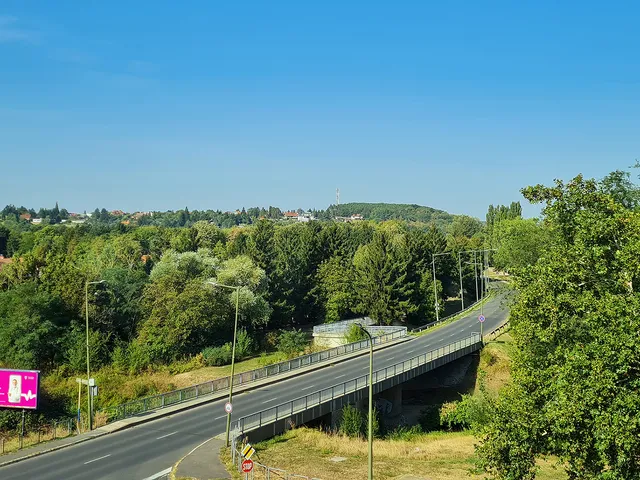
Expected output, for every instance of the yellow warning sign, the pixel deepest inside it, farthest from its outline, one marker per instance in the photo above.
(248, 451)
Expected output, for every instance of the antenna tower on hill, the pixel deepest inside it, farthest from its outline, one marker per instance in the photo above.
(337, 196)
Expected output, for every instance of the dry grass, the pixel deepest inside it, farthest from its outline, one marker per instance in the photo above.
(434, 456)
(495, 360)
(12, 443)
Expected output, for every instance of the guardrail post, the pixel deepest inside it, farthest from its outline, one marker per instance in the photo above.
(144, 405)
(196, 391)
(180, 394)
(54, 430)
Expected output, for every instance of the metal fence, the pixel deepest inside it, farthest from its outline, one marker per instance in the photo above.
(300, 404)
(498, 330)
(264, 472)
(38, 434)
(448, 317)
(163, 400)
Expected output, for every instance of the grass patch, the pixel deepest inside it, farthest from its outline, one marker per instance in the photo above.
(436, 456)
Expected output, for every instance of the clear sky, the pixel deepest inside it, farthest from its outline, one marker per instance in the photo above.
(155, 105)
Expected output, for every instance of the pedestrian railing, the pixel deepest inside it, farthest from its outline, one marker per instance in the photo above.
(498, 330)
(34, 435)
(155, 402)
(264, 472)
(448, 317)
(300, 404)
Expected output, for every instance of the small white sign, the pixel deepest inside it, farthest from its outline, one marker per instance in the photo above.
(228, 407)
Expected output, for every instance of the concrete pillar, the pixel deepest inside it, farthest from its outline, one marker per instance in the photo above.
(392, 396)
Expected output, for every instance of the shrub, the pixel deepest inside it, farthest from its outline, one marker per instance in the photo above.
(351, 422)
(217, 356)
(292, 342)
(430, 418)
(376, 427)
(244, 345)
(408, 434)
(354, 334)
(472, 411)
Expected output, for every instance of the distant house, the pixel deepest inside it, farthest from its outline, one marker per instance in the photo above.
(36, 220)
(306, 217)
(353, 218)
(117, 212)
(290, 214)
(356, 216)
(25, 216)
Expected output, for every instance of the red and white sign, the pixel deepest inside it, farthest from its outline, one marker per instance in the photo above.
(247, 466)
(228, 407)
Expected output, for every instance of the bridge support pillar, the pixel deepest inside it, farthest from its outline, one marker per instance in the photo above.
(391, 402)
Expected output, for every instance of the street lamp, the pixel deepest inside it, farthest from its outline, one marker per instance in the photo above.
(370, 399)
(86, 309)
(233, 349)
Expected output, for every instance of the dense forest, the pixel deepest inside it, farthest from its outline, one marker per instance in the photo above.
(153, 304)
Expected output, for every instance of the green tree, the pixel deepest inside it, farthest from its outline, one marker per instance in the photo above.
(575, 324)
(381, 268)
(519, 242)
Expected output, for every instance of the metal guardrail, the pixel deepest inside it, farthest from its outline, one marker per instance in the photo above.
(448, 317)
(498, 330)
(175, 397)
(303, 403)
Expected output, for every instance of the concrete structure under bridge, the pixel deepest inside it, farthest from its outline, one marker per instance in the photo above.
(330, 401)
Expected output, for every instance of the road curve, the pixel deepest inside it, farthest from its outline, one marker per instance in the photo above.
(142, 451)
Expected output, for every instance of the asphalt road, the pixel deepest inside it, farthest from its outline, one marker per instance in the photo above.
(142, 451)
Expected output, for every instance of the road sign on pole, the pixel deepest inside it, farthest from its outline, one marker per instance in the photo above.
(228, 407)
(247, 466)
(481, 318)
(248, 451)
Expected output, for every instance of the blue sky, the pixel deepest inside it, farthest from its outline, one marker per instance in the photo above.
(455, 105)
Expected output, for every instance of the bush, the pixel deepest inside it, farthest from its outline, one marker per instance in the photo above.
(292, 342)
(217, 356)
(354, 334)
(405, 433)
(351, 422)
(473, 411)
(430, 418)
(244, 345)
(376, 427)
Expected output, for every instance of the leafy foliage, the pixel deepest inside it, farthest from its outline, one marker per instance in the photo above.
(292, 342)
(575, 324)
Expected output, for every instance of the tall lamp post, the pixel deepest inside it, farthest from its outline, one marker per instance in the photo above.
(86, 310)
(370, 399)
(233, 350)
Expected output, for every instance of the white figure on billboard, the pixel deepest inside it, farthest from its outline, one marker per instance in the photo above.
(14, 388)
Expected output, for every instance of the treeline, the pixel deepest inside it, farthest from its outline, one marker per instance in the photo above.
(155, 305)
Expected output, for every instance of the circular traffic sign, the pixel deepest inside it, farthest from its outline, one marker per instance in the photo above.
(228, 407)
(481, 318)
(247, 466)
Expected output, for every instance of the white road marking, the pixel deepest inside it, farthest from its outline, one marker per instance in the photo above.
(340, 376)
(159, 474)
(307, 388)
(96, 459)
(392, 358)
(221, 416)
(271, 400)
(167, 435)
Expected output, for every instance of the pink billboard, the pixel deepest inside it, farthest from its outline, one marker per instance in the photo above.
(19, 388)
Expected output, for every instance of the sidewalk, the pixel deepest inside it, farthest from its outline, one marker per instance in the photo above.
(54, 445)
(202, 463)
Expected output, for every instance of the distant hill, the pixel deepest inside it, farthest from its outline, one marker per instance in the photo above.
(393, 211)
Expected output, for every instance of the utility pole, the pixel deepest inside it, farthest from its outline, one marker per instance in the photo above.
(461, 287)
(435, 290)
(475, 271)
(370, 399)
